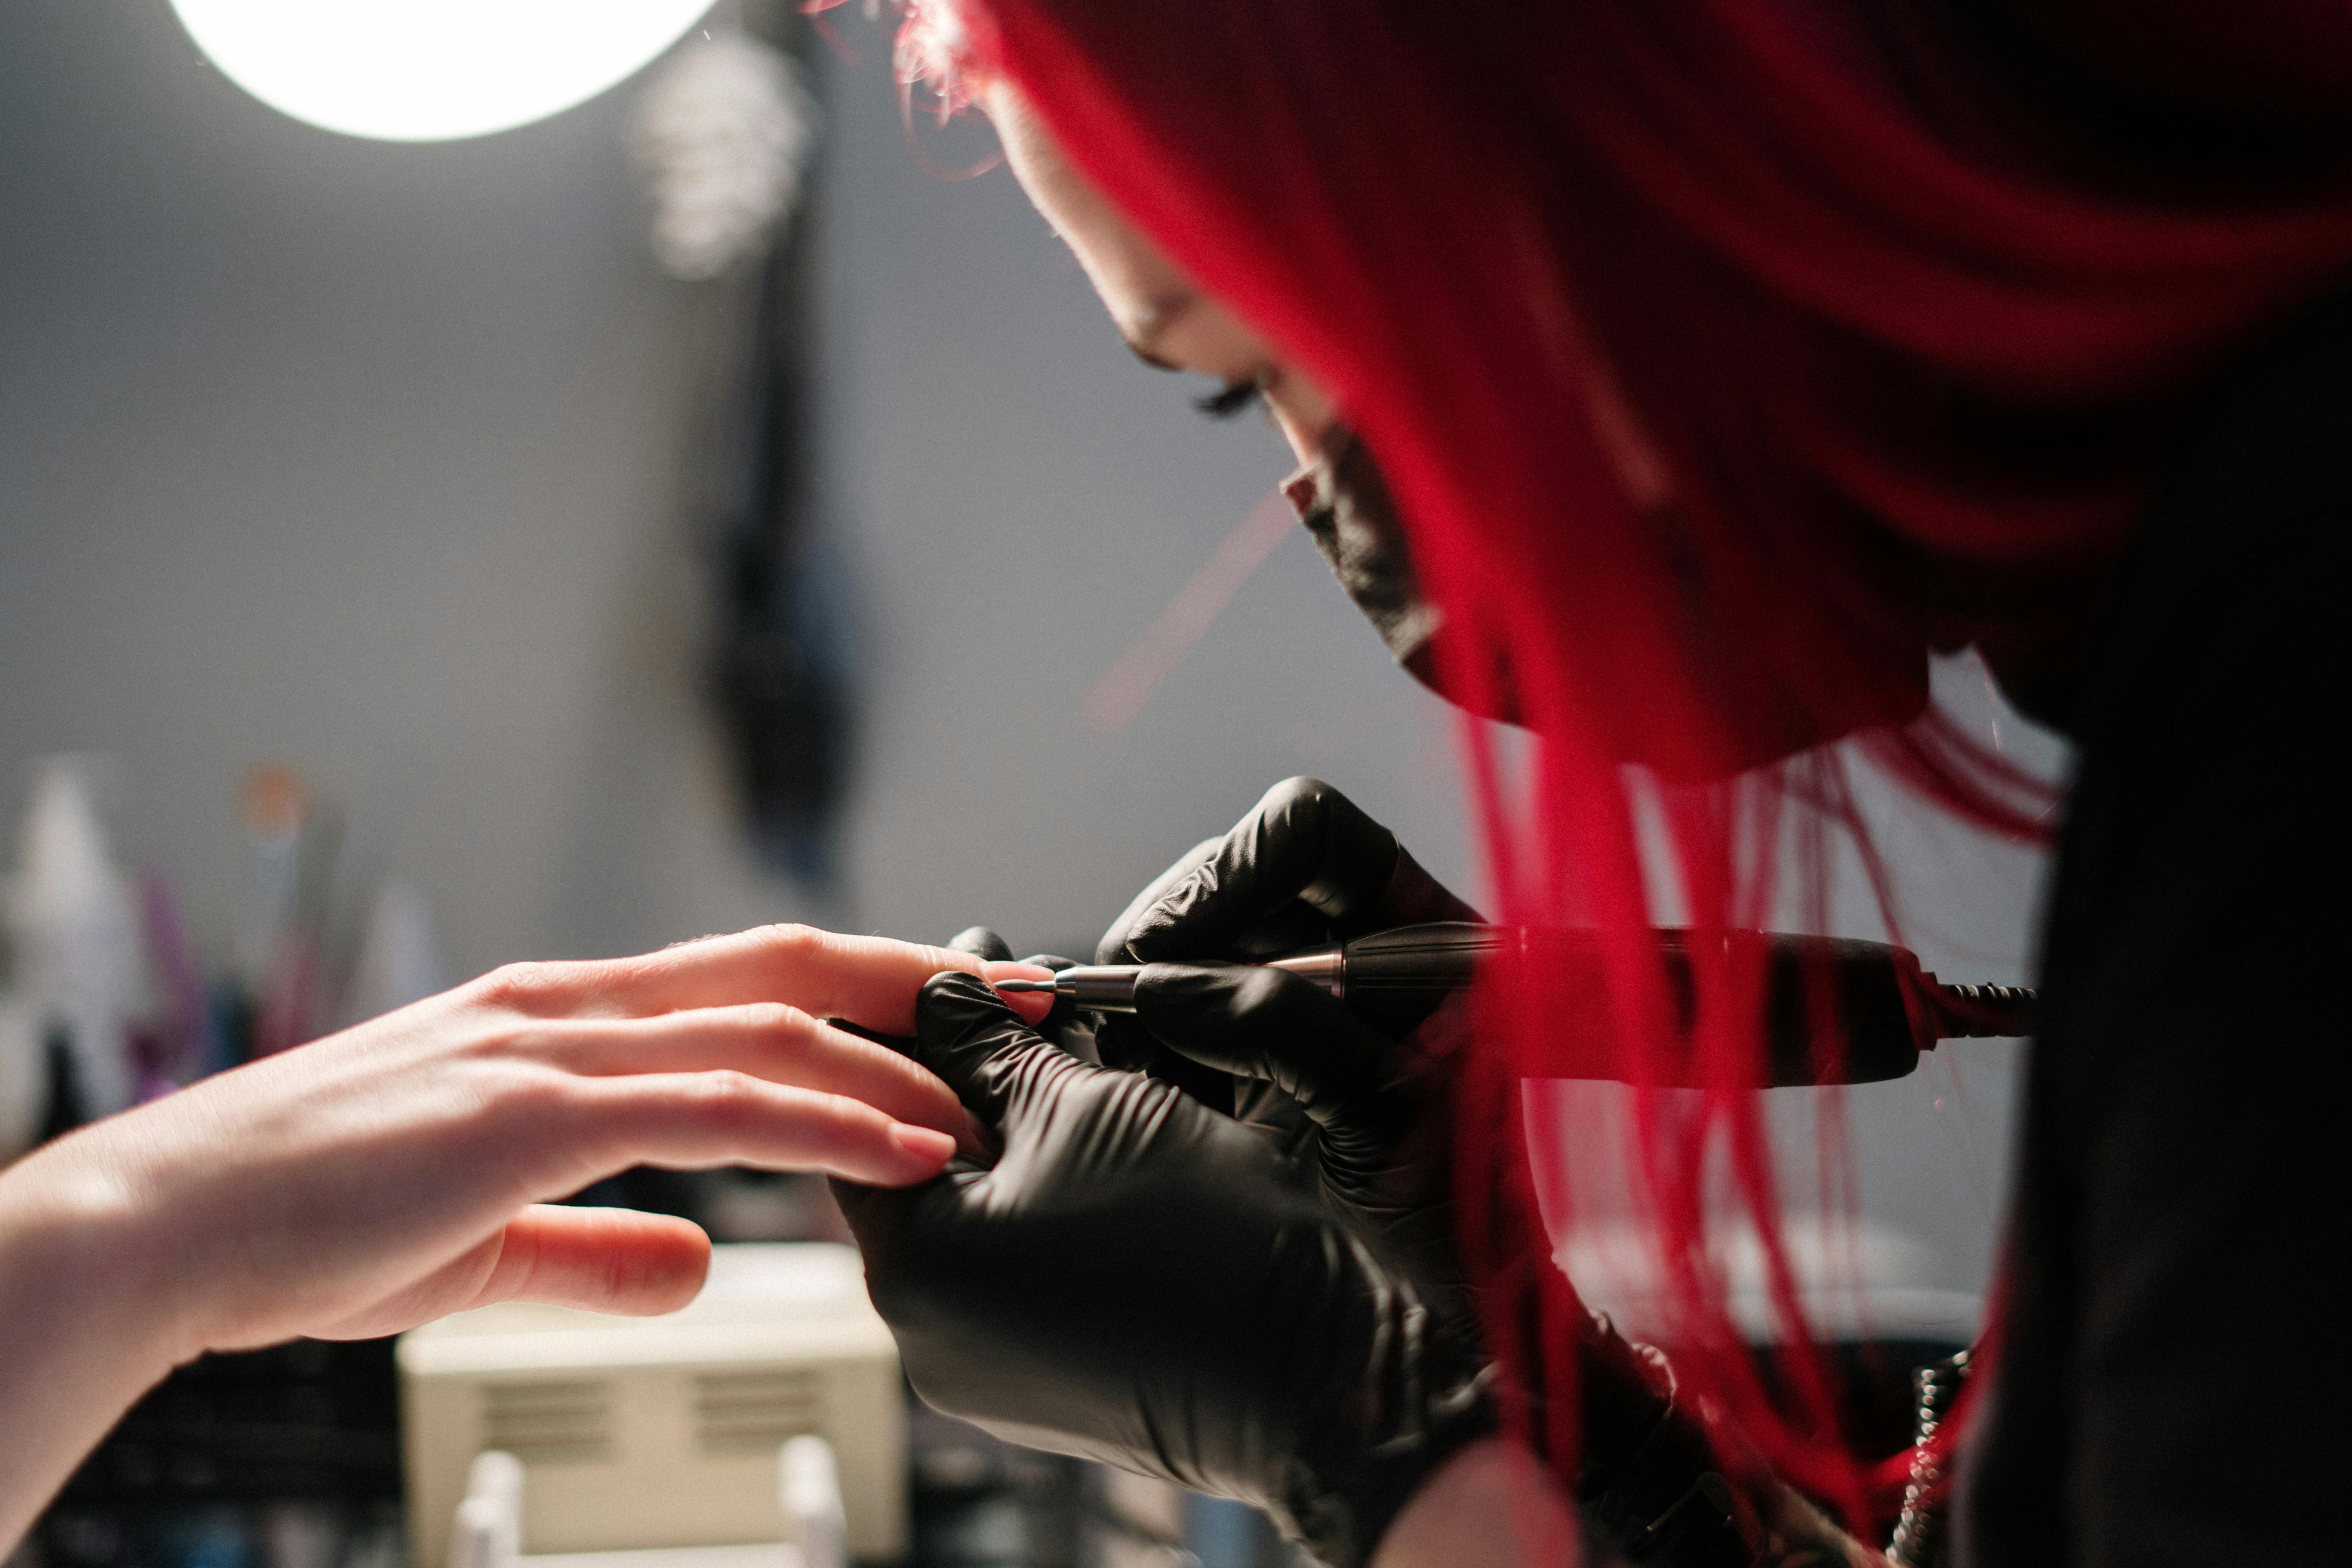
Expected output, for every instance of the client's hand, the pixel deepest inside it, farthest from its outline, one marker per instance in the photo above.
(396, 1171)
(1141, 1280)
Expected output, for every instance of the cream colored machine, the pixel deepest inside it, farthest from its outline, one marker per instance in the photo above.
(664, 1432)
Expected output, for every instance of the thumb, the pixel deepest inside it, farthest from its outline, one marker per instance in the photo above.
(979, 1047)
(600, 1260)
(1265, 1024)
(603, 1261)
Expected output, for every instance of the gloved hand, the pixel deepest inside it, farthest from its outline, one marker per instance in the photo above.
(1142, 1281)
(1362, 1106)
(1305, 867)
(1064, 1024)
(1360, 1101)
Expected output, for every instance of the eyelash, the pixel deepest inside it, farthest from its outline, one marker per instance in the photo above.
(1231, 400)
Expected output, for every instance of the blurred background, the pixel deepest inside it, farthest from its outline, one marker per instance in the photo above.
(415, 556)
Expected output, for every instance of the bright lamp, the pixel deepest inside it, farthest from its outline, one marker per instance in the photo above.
(431, 70)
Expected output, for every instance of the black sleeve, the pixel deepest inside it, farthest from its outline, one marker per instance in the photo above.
(2175, 1380)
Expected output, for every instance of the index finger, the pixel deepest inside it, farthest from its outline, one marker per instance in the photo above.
(870, 981)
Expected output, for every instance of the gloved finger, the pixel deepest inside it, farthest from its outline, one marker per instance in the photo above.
(1414, 897)
(1112, 948)
(1286, 927)
(1306, 844)
(1122, 1042)
(981, 943)
(1270, 1026)
(1055, 1018)
(973, 1041)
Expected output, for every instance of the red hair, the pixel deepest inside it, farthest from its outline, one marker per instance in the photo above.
(1724, 358)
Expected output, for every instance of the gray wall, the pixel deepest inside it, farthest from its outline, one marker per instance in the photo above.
(367, 458)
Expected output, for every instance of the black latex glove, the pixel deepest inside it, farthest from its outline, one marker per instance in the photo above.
(1064, 1024)
(1365, 1118)
(1359, 1099)
(1142, 1281)
(1305, 868)
(1360, 1104)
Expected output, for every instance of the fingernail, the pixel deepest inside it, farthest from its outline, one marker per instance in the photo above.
(927, 1145)
(1031, 1005)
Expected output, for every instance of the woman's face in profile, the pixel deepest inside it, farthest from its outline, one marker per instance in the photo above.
(1165, 317)
(1170, 323)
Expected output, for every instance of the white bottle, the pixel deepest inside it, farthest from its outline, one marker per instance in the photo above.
(400, 958)
(808, 1491)
(81, 964)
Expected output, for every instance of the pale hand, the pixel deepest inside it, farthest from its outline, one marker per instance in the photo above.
(399, 1170)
